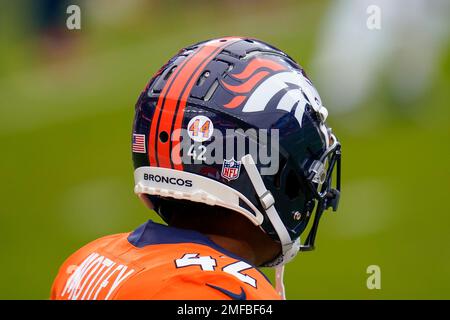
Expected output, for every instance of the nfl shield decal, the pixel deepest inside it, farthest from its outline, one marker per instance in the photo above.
(231, 169)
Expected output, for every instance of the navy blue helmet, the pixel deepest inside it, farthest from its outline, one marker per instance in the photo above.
(235, 122)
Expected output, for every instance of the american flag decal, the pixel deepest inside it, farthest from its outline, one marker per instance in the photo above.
(138, 143)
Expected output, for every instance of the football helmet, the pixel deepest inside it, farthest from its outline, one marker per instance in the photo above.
(238, 93)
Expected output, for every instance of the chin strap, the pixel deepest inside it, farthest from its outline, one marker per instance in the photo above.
(289, 247)
(279, 281)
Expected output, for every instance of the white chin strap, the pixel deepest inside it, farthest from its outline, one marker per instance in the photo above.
(289, 247)
(279, 281)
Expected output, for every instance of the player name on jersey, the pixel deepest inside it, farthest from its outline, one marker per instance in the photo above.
(97, 277)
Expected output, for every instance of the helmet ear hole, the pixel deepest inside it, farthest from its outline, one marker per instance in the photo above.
(277, 176)
(292, 185)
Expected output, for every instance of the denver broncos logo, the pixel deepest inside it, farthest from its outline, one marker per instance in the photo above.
(264, 79)
(257, 70)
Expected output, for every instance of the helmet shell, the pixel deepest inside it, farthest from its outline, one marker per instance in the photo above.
(236, 84)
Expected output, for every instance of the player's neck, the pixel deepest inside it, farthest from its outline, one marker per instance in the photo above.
(238, 247)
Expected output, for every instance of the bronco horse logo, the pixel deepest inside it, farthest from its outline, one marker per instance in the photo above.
(264, 80)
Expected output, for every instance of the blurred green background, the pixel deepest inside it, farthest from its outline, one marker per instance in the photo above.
(67, 102)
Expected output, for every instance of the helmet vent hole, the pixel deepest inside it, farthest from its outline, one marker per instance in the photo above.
(169, 73)
(211, 91)
(163, 136)
(292, 185)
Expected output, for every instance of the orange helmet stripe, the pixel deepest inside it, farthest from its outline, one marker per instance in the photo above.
(172, 103)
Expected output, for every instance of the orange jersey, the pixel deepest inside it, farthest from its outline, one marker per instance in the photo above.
(158, 262)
